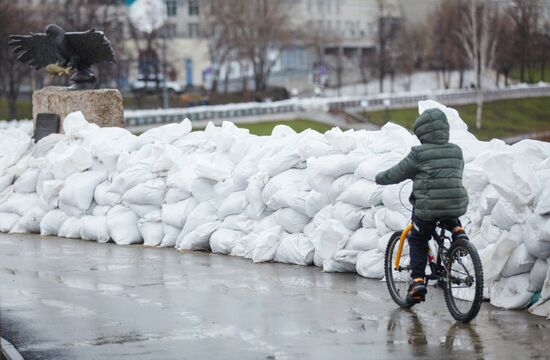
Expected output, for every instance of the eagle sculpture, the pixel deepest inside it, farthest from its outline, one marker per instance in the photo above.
(60, 52)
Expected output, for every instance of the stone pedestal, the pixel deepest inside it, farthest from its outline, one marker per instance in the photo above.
(102, 106)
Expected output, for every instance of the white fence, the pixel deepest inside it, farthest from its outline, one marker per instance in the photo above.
(371, 102)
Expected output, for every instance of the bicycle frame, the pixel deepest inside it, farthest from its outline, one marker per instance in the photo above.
(439, 238)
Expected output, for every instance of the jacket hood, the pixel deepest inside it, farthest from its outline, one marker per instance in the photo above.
(432, 127)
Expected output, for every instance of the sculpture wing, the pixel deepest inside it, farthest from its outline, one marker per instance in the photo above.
(36, 50)
(91, 46)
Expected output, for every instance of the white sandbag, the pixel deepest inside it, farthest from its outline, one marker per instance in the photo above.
(29, 222)
(95, 228)
(327, 239)
(170, 235)
(51, 222)
(281, 161)
(199, 238)
(151, 229)
(6, 180)
(70, 160)
(100, 210)
(489, 231)
(511, 293)
(76, 126)
(291, 220)
(315, 201)
(295, 249)
(341, 261)
(238, 222)
(543, 201)
(335, 165)
(495, 258)
(318, 182)
(256, 185)
(343, 141)
(289, 198)
(141, 210)
(383, 242)
(26, 183)
(487, 200)
(19, 203)
(245, 246)
(537, 236)
(108, 143)
(122, 225)
(267, 243)
(474, 178)
(519, 262)
(396, 197)
(78, 190)
(216, 168)
(177, 213)
(174, 195)
(50, 192)
(371, 167)
(233, 204)
(363, 239)
(147, 193)
(130, 177)
(395, 221)
(223, 240)
(363, 193)
(293, 179)
(103, 196)
(380, 222)
(538, 275)
(205, 212)
(70, 228)
(225, 188)
(349, 215)
(370, 264)
(7, 221)
(505, 215)
(368, 219)
(165, 134)
(512, 178)
(340, 185)
(542, 307)
(14, 144)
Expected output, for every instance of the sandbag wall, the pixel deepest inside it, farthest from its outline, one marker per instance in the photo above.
(306, 198)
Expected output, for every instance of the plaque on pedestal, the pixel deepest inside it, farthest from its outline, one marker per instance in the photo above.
(46, 124)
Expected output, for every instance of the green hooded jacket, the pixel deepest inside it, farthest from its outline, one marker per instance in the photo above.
(436, 169)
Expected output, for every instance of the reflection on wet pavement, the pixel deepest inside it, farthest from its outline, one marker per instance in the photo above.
(68, 299)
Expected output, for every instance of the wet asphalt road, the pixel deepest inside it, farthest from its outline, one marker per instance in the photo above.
(72, 299)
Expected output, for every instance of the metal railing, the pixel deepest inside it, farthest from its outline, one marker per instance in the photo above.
(370, 103)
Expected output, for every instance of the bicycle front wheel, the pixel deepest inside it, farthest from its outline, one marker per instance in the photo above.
(398, 280)
(464, 287)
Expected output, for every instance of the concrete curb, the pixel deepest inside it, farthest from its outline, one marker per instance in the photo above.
(8, 351)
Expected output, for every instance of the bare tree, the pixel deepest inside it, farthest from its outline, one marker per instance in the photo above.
(387, 29)
(479, 43)
(524, 14)
(443, 50)
(505, 57)
(15, 20)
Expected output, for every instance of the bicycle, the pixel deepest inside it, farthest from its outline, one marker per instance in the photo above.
(456, 269)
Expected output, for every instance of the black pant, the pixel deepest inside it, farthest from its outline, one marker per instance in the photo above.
(419, 236)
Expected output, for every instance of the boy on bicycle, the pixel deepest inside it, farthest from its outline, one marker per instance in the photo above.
(436, 168)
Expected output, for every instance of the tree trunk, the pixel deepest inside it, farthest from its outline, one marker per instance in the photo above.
(461, 78)
(479, 110)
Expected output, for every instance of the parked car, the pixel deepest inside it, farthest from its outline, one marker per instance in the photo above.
(155, 85)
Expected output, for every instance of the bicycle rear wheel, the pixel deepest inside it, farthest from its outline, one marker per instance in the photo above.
(398, 281)
(464, 288)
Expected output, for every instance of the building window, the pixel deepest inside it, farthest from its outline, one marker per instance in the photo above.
(193, 30)
(172, 7)
(193, 7)
(338, 6)
(309, 5)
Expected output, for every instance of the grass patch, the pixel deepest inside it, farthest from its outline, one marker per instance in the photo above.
(500, 118)
(299, 125)
(532, 75)
(24, 109)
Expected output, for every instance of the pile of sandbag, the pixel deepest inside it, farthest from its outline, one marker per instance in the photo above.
(300, 198)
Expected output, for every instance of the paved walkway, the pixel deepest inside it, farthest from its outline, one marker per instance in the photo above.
(72, 299)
